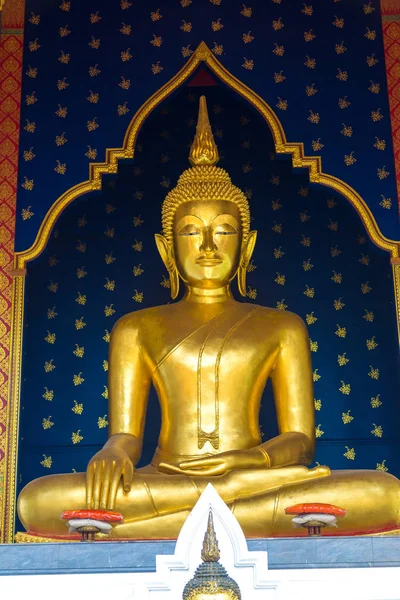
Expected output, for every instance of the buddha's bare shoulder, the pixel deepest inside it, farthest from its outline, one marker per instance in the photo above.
(280, 319)
(138, 319)
(259, 316)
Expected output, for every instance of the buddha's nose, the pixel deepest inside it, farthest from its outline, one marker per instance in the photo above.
(208, 244)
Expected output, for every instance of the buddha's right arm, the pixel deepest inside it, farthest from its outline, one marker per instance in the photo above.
(128, 388)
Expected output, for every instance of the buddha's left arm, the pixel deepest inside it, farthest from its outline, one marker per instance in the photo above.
(294, 398)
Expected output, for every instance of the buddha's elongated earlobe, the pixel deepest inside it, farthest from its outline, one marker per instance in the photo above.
(174, 279)
(167, 256)
(241, 276)
(245, 260)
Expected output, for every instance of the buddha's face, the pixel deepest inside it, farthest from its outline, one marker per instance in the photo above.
(207, 242)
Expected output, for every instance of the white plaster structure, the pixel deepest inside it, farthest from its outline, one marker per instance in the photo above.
(249, 569)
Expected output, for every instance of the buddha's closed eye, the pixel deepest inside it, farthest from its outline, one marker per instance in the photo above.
(188, 230)
(190, 233)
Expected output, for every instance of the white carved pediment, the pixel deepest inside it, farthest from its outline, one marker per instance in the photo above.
(248, 569)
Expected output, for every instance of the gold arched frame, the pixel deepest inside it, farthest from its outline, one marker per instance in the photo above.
(109, 166)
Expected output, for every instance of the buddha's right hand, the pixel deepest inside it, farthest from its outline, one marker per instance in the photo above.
(103, 475)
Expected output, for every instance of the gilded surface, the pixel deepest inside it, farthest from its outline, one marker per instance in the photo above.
(25, 538)
(209, 358)
(396, 279)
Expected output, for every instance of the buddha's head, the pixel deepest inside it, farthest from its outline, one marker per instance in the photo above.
(206, 237)
(211, 581)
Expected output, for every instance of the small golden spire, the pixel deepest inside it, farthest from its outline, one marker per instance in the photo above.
(210, 551)
(204, 150)
(211, 579)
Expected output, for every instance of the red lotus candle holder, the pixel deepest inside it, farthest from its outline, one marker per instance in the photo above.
(88, 522)
(315, 515)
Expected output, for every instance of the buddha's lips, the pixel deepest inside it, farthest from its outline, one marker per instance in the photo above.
(208, 262)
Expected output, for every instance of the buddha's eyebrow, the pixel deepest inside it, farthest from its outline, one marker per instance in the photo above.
(227, 216)
(191, 215)
(230, 219)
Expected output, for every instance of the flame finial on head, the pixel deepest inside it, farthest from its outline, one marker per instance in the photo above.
(203, 150)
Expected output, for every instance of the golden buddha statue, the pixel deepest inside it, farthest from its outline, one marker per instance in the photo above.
(209, 358)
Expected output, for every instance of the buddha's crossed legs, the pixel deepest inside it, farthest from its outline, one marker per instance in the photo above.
(157, 505)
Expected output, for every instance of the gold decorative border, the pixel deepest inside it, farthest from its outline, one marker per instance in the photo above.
(97, 170)
(396, 280)
(11, 448)
(22, 537)
(11, 50)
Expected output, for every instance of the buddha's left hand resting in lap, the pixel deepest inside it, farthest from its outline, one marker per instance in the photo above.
(209, 358)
